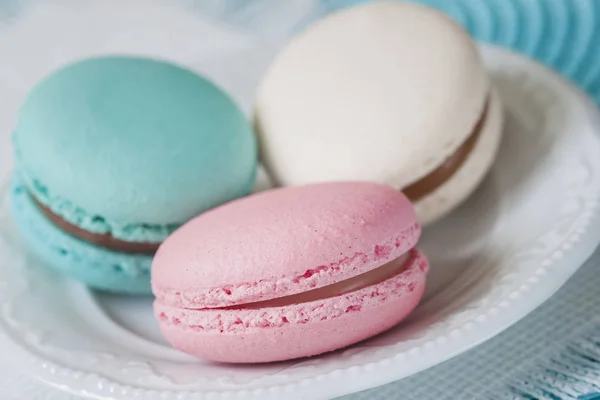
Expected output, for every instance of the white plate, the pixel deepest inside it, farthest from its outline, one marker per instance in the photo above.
(510, 247)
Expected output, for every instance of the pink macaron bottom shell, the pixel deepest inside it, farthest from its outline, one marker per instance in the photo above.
(251, 335)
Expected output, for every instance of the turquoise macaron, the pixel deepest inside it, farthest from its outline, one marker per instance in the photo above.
(112, 154)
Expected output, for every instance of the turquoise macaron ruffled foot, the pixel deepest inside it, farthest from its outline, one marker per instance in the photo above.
(95, 266)
(112, 154)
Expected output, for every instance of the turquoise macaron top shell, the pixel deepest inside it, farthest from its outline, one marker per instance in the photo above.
(132, 147)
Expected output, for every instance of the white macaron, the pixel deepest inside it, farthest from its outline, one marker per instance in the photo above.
(389, 92)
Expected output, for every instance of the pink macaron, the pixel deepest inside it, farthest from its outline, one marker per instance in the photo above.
(289, 273)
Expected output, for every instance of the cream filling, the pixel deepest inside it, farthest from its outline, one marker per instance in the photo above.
(373, 277)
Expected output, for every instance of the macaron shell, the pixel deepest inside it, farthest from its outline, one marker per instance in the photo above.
(464, 181)
(281, 242)
(381, 92)
(95, 266)
(301, 330)
(133, 141)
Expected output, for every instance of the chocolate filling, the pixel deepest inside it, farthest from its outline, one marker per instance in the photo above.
(440, 175)
(370, 278)
(106, 240)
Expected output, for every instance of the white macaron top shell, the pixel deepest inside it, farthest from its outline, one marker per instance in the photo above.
(382, 92)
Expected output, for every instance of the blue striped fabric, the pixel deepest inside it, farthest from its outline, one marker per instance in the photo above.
(592, 396)
(573, 372)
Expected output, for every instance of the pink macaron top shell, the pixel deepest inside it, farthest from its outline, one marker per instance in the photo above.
(281, 242)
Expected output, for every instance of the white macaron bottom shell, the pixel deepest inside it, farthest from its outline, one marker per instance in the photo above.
(468, 177)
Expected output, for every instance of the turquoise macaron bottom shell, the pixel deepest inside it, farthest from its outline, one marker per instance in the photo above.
(97, 267)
